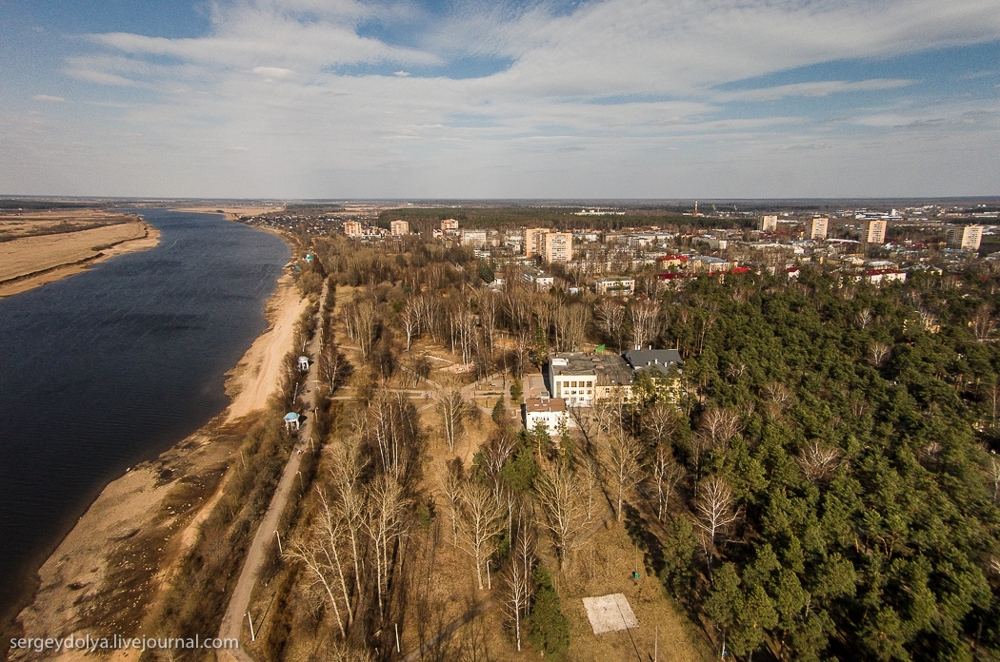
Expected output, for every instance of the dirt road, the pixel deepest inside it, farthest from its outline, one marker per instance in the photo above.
(235, 623)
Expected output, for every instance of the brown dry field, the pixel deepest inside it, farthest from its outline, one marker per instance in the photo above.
(39, 256)
(15, 225)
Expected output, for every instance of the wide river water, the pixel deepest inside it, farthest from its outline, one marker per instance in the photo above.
(113, 366)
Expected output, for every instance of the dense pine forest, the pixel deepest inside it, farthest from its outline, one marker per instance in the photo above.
(863, 481)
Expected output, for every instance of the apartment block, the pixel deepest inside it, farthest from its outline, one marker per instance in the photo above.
(352, 228)
(474, 237)
(534, 241)
(399, 228)
(818, 228)
(875, 231)
(449, 225)
(768, 223)
(966, 238)
(558, 247)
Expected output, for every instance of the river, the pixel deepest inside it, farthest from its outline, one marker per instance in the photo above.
(114, 365)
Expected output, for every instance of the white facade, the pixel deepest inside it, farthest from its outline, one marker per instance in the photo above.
(615, 286)
(875, 231)
(966, 238)
(551, 412)
(818, 228)
(768, 223)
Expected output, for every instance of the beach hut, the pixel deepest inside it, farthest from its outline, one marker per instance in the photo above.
(304, 364)
(291, 421)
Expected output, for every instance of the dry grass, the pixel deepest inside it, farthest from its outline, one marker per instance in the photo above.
(29, 255)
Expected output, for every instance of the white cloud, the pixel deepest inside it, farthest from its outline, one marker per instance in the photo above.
(544, 120)
(272, 73)
(820, 88)
(46, 98)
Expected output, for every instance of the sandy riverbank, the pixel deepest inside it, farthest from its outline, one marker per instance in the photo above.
(105, 576)
(234, 213)
(29, 262)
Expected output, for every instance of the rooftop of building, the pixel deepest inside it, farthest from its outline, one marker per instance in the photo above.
(661, 360)
(544, 405)
(607, 367)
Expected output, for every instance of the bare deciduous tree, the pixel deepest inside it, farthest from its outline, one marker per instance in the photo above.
(518, 575)
(481, 522)
(863, 318)
(321, 557)
(348, 462)
(565, 511)
(609, 317)
(620, 457)
(384, 524)
(644, 319)
(451, 408)
(818, 461)
(995, 476)
(333, 366)
(878, 352)
(362, 320)
(451, 488)
(720, 424)
(660, 420)
(667, 473)
(983, 323)
(714, 510)
(409, 318)
(928, 321)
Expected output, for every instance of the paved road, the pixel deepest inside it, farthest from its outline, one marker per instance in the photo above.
(235, 623)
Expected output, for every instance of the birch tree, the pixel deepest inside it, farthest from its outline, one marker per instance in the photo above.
(451, 408)
(383, 523)
(714, 510)
(481, 522)
(565, 511)
(518, 576)
(667, 474)
(620, 458)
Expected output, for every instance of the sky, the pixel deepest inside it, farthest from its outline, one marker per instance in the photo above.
(658, 99)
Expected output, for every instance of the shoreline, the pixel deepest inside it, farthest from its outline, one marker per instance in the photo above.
(105, 576)
(14, 286)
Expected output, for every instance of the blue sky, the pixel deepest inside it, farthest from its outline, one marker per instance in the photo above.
(476, 99)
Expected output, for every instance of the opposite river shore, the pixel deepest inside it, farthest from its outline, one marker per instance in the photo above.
(126, 400)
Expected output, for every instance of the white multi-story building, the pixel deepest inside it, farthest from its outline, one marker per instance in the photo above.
(818, 227)
(534, 241)
(558, 247)
(473, 237)
(352, 228)
(580, 378)
(615, 286)
(768, 223)
(449, 225)
(875, 231)
(550, 412)
(966, 238)
(542, 282)
(399, 228)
